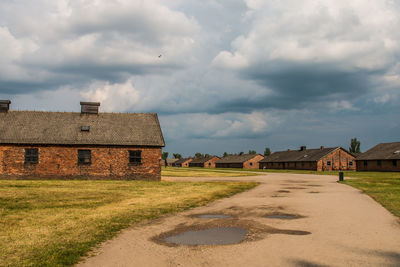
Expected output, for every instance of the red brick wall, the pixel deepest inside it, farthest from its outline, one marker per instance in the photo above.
(253, 163)
(58, 162)
(386, 165)
(211, 162)
(340, 160)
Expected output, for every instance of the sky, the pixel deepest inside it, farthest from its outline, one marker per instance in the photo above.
(223, 76)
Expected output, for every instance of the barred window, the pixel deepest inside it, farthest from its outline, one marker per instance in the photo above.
(379, 162)
(350, 163)
(328, 163)
(84, 156)
(394, 162)
(135, 156)
(365, 163)
(31, 155)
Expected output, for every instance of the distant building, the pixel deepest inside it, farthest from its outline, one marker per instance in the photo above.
(245, 161)
(382, 157)
(319, 159)
(182, 162)
(204, 162)
(79, 145)
(170, 162)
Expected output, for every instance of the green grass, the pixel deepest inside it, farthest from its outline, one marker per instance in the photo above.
(203, 172)
(55, 223)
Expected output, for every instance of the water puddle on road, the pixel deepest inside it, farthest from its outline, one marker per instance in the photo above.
(213, 216)
(211, 236)
(282, 217)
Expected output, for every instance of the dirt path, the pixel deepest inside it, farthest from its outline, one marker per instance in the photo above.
(334, 225)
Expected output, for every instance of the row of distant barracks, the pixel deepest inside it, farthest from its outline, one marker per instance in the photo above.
(383, 157)
(93, 145)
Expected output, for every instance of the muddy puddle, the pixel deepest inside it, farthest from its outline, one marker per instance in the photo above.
(219, 232)
(212, 236)
(212, 216)
(283, 191)
(313, 192)
(283, 216)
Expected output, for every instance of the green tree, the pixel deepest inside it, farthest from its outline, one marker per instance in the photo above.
(252, 152)
(355, 146)
(177, 155)
(267, 151)
(165, 155)
(225, 154)
(241, 153)
(198, 155)
(207, 155)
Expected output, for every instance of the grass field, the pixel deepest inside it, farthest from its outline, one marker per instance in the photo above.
(203, 172)
(54, 223)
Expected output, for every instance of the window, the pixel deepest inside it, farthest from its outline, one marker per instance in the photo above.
(302, 164)
(379, 162)
(31, 155)
(329, 163)
(135, 156)
(209, 164)
(350, 163)
(394, 162)
(251, 163)
(365, 163)
(84, 156)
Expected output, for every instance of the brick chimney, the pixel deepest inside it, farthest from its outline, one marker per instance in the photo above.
(302, 148)
(90, 107)
(5, 105)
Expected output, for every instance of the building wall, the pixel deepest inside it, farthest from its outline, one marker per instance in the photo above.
(229, 165)
(61, 162)
(304, 165)
(339, 159)
(211, 162)
(372, 165)
(253, 163)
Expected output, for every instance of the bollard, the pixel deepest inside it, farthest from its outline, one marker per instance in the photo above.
(341, 176)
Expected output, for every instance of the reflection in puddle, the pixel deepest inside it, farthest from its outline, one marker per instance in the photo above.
(282, 217)
(212, 236)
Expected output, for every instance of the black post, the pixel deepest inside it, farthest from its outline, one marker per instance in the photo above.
(341, 176)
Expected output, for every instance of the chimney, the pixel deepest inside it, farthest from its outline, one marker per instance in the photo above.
(322, 147)
(5, 105)
(302, 148)
(90, 107)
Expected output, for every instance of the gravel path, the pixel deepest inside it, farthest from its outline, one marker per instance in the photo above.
(331, 225)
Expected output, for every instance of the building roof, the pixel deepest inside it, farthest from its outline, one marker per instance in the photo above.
(382, 151)
(202, 159)
(183, 160)
(65, 128)
(237, 158)
(299, 155)
(170, 161)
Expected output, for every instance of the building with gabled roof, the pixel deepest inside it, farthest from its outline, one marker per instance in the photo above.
(244, 161)
(319, 159)
(85, 145)
(382, 157)
(184, 162)
(204, 162)
(168, 162)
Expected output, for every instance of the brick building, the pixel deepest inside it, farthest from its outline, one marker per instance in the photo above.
(382, 157)
(245, 161)
(85, 145)
(168, 162)
(204, 162)
(182, 162)
(319, 159)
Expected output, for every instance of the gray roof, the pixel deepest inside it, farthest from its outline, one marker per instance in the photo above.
(170, 161)
(180, 161)
(202, 159)
(64, 128)
(382, 151)
(237, 158)
(299, 155)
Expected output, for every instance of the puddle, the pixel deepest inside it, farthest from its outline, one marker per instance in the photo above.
(212, 236)
(278, 196)
(213, 216)
(313, 192)
(314, 185)
(295, 187)
(282, 217)
(283, 191)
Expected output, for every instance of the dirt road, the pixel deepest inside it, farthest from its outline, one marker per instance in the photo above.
(292, 220)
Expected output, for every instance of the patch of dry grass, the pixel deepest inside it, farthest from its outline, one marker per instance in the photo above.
(203, 172)
(54, 223)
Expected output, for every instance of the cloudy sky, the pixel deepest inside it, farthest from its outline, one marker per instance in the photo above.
(233, 75)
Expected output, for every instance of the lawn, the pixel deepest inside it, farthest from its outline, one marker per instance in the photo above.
(203, 172)
(55, 223)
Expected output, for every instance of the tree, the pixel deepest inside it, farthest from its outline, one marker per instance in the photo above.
(225, 154)
(267, 151)
(177, 155)
(241, 153)
(165, 155)
(252, 152)
(198, 155)
(207, 155)
(355, 146)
